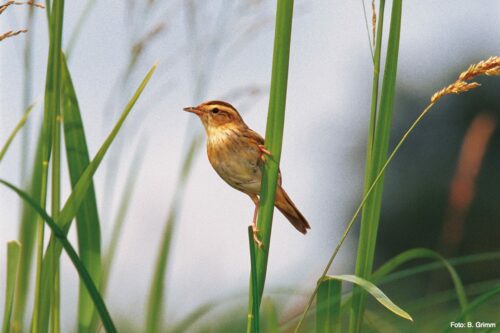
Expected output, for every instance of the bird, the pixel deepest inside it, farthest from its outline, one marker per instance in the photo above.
(237, 153)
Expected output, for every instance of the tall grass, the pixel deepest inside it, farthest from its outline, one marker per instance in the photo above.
(61, 108)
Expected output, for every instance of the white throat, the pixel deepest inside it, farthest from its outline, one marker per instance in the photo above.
(218, 135)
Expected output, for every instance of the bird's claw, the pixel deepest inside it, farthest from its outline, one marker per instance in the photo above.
(256, 236)
(264, 152)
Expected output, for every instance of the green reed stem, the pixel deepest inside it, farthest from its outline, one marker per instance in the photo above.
(274, 136)
(371, 211)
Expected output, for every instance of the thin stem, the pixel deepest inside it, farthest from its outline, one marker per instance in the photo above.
(358, 210)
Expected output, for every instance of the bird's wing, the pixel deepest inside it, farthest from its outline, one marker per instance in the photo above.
(253, 136)
(259, 140)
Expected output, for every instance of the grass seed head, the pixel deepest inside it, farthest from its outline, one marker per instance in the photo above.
(488, 67)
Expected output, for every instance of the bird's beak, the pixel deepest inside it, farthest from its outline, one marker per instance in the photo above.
(194, 110)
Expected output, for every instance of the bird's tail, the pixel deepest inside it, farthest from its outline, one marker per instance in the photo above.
(287, 208)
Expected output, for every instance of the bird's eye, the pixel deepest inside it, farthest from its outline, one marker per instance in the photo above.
(215, 110)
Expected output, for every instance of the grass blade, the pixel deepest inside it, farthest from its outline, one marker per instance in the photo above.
(155, 301)
(420, 253)
(371, 210)
(79, 193)
(13, 259)
(87, 218)
(80, 267)
(475, 304)
(328, 306)
(192, 318)
(18, 127)
(274, 134)
(271, 316)
(375, 292)
(27, 234)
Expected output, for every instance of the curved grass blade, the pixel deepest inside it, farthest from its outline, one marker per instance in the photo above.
(18, 127)
(475, 304)
(433, 266)
(375, 292)
(271, 323)
(81, 187)
(13, 260)
(192, 318)
(79, 193)
(87, 217)
(420, 253)
(80, 267)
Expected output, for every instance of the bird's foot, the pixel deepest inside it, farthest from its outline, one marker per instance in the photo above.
(256, 236)
(264, 152)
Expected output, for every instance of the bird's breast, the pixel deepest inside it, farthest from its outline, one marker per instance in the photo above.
(235, 159)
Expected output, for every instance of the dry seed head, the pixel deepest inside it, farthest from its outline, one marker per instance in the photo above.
(11, 33)
(29, 3)
(489, 67)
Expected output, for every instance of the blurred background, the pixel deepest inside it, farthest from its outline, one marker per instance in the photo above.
(442, 191)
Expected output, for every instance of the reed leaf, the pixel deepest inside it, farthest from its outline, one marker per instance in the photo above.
(13, 260)
(27, 236)
(66, 245)
(421, 253)
(79, 192)
(480, 300)
(87, 217)
(328, 312)
(16, 129)
(192, 318)
(375, 292)
(270, 313)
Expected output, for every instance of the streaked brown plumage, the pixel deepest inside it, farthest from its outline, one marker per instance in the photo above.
(237, 154)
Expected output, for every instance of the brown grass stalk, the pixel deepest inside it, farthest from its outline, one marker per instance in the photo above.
(11, 34)
(488, 67)
(17, 3)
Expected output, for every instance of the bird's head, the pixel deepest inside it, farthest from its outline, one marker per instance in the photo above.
(217, 114)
